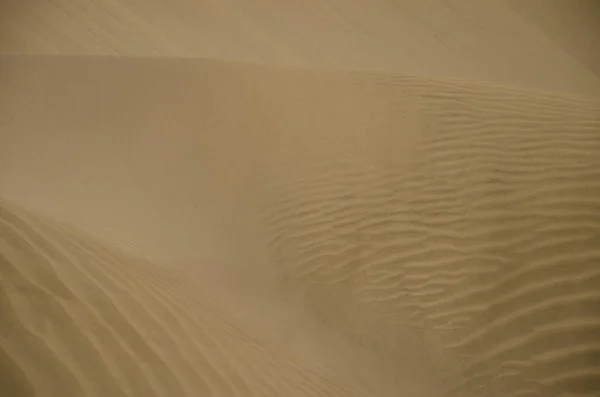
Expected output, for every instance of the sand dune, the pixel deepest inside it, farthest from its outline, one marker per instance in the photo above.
(318, 233)
(81, 320)
(305, 198)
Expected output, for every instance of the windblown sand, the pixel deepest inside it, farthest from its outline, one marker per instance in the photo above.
(203, 227)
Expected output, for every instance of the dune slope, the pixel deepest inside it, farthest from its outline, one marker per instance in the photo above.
(425, 221)
(486, 235)
(81, 320)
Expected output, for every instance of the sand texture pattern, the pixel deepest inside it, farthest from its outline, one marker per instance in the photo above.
(81, 320)
(335, 198)
(447, 233)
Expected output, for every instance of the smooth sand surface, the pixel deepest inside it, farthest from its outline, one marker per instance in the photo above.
(327, 220)
(550, 45)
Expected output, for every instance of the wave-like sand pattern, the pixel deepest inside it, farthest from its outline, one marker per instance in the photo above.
(487, 236)
(80, 320)
(394, 206)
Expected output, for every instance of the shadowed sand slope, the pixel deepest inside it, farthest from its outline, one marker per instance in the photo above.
(451, 231)
(571, 25)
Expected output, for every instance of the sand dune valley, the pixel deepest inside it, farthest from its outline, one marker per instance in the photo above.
(335, 198)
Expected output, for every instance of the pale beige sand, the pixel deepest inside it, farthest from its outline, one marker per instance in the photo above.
(535, 44)
(371, 233)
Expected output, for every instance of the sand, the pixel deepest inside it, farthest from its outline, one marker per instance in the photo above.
(549, 44)
(249, 225)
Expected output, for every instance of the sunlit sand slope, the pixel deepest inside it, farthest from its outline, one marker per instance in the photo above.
(80, 320)
(394, 206)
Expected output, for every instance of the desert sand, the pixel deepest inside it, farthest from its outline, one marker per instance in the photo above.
(225, 199)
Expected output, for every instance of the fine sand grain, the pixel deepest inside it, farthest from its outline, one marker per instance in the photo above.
(195, 227)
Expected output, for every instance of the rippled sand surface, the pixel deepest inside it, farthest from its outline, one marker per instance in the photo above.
(295, 226)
